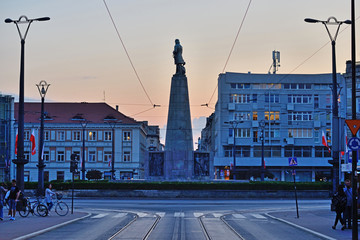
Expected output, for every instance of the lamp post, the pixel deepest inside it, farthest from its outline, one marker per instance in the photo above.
(234, 124)
(112, 124)
(20, 161)
(262, 171)
(42, 87)
(335, 111)
(83, 125)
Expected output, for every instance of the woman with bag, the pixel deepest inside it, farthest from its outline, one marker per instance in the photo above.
(339, 201)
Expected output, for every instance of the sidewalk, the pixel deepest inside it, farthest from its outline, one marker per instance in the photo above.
(34, 225)
(318, 222)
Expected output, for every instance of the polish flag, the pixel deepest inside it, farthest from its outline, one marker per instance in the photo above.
(32, 140)
(324, 142)
(109, 162)
(16, 142)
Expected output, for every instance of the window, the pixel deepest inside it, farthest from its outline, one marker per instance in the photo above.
(26, 176)
(322, 151)
(241, 116)
(60, 176)
(255, 136)
(241, 151)
(267, 86)
(300, 99)
(61, 135)
(46, 156)
(92, 156)
(107, 156)
(254, 100)
(46, 135)
(316, 101)
(27, 155)
(92, 136)
(242, 132)
(255, 116)
(127, 136)
(26, 135)
(300, 133)
(76, 136)
(300, 86)
(274, 133)
(240, 98)
(273, 151)
(107, 135)
(298, 151)
(240, 85)
(127, 156)
(316, 136)
(300, 116)
(272, 98)
(272, 116)
(60, 156)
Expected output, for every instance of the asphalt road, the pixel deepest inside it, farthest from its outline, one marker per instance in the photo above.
(199, 219)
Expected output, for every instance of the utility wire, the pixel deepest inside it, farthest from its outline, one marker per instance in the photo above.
(232, 47)
(127, 54)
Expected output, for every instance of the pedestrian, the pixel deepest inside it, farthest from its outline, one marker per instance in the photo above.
(48, 196)
(13, 199)
(339, 201)
(348, 211)
(3, 191)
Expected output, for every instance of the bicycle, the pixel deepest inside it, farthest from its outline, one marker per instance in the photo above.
(27, 206)
(61, 208)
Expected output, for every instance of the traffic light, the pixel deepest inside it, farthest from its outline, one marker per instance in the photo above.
(74, 162)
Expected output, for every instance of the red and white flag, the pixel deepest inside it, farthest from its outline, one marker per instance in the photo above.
(32, 140)
(324, 142)
(16, 141)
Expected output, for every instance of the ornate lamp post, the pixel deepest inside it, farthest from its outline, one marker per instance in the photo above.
(42, 87)
(20, 161)
(335, 110)
(112, 123)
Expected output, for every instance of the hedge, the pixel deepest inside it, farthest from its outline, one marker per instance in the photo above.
(104, 184)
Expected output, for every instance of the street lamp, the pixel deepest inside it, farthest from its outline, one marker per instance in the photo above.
(335, 110)
(112, 124)
(262, 172)
(234, 124)
(83, 125)
(20, 161)
(42, 87)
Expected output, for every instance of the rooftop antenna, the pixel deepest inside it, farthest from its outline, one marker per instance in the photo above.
(276, 61)
(104, 96)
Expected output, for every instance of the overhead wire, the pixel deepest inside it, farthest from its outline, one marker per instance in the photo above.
(127, 54)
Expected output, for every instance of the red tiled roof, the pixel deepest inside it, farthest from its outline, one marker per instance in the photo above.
(65, 112)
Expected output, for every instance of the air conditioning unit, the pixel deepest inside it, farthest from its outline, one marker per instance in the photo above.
(290, 141)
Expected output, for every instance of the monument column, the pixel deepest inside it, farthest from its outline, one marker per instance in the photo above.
(179, 163)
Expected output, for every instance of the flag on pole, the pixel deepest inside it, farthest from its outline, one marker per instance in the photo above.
(324, 142)
(109, 162)
(33, 145)
(16, 141)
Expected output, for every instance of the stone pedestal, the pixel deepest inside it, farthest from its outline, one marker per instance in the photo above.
(179, 141)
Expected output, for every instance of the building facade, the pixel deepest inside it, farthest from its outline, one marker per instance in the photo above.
(64, 128)
(290, 111)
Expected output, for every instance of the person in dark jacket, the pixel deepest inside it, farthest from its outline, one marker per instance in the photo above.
(339, 201)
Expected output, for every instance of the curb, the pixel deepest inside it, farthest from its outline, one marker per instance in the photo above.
(302, 228)
(27, 236)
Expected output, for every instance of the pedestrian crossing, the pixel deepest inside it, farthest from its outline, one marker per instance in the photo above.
(236, 216)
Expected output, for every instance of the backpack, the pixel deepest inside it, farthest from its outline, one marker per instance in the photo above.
(338, 202)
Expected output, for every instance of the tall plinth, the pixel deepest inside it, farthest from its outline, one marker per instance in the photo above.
(179, 163)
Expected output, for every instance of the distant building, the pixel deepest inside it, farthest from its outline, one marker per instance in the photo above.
(63, 136)
(294, 108)
(348, 79)
(6, 122)
(153, 139)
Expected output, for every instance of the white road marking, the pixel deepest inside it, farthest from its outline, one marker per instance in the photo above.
(141, 214)
(217, 215)
(120, 215)
(101, 215)
(258, 216)
(161, 214)
(179, 214)
(198, 214)
(240, 216)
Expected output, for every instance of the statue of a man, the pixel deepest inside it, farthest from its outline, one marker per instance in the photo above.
(178, 59)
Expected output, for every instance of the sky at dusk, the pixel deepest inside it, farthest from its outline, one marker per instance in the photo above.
(80, 54)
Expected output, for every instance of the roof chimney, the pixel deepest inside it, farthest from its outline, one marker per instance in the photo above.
(117, 107)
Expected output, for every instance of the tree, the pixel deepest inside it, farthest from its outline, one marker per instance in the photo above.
(94, 175)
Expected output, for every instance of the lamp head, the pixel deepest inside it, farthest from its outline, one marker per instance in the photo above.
(311, 20)
(347, 22)
(42, 19)
(9, 20)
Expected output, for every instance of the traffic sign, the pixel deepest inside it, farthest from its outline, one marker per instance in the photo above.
(354, 143)
(293, 161)
(354, 125)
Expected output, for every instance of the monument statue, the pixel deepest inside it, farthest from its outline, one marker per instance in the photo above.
(178, 59)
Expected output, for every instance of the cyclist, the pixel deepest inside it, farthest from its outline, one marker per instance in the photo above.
(48, 196)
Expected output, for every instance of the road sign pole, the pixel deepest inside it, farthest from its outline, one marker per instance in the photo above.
(296, 199)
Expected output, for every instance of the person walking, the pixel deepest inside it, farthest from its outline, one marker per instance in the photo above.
(348, 211)
(13, 199)
(3, 191)
(48, 196)
(339, 201)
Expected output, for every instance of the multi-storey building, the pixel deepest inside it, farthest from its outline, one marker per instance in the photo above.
(6, 117)
(348, 79)
(292, 111)
(64, 128)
